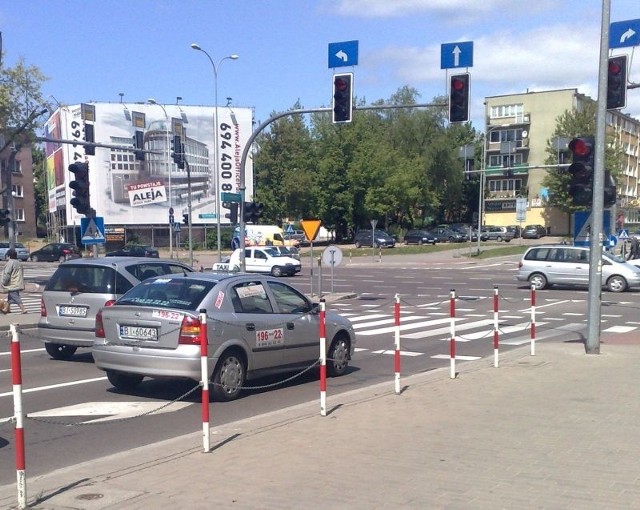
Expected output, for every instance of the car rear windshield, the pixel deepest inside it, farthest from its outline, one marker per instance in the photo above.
(184, 294)
(88, 279)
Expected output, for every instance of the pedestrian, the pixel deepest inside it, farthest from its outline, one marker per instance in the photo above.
(13, 281)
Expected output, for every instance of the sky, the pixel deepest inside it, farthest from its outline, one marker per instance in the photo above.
(95, 50)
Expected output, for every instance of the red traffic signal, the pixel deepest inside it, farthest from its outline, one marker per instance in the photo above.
(617, 82)
(459, 98)
(342, 97)
(580, 187)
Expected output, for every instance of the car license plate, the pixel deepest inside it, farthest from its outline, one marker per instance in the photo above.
(72, 311)
(138, 333)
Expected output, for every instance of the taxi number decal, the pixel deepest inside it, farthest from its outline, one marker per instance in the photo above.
(266, 337)
(166, 314)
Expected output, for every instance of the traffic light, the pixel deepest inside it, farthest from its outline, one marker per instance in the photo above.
(178, 151)
(80, 187)
(185, 218)
(5, 217)
(252, 211)
(138, 143)
(342, 97)
(610, 193)
(581, 170)
(233, 212)
(617, 82)
(459, 98)
(89, 137)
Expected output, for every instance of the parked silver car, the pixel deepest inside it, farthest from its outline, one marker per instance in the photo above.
(79, 288)
(542, 266)
(255, 324)
(21, 251)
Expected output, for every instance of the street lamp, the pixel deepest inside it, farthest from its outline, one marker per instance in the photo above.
(166, 119)
(215, 142)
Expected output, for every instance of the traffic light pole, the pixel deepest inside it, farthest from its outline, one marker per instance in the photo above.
(592, 342)
(189, 211)
(258, 130)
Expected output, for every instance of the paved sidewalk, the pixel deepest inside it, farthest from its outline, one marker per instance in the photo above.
(555, 430)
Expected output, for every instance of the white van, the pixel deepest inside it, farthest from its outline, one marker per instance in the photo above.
(265, 259)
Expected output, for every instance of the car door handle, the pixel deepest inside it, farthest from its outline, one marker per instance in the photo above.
(290, 325)
(250, 326)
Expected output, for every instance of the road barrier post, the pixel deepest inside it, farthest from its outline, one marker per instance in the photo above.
(323, 359)
(204, 362)
(496, 332)
(16, 376)
(452, 342)
(533, 321)
(397, 341)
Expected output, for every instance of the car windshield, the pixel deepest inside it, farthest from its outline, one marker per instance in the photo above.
(272, 251)
(183, 294)
(611, 256)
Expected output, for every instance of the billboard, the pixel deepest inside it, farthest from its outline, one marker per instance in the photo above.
(135, 180)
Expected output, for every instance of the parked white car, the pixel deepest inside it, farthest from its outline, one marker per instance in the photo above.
(261, 259)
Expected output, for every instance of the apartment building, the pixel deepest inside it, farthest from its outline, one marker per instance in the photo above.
(518, 128)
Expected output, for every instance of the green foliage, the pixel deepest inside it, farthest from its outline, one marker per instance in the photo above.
(398, 166)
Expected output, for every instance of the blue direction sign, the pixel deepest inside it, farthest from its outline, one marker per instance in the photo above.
(342, 54)
(92, 230)
(458, 54)
(623, 34)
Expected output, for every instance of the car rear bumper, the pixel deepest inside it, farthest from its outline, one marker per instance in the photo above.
(66, 336)
(181, 362)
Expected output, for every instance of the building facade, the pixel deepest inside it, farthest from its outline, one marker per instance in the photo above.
(518, 130)
(16, 168)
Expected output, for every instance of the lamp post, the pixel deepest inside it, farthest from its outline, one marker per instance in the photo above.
(216, 179)
(166, 119)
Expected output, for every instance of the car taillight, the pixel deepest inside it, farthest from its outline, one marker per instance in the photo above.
(111, 302)
(99, 325)
(520, 265)
(43, 308)
(190, 331)
(65, 251)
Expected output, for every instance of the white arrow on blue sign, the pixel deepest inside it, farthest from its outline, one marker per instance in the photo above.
(458, 54)
(624, 34)
(342, 54)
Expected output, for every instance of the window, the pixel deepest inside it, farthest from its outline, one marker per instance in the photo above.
(506, 110)
(17, 190)
(288, 299)
(250, 297)
(18, 214)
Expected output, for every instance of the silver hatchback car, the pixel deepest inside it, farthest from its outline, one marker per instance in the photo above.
(79, 288)
(542, 266)
(255, 324)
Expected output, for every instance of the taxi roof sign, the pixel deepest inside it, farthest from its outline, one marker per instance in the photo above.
(310, 228)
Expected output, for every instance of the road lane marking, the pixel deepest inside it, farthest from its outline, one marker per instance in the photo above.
(55, 386)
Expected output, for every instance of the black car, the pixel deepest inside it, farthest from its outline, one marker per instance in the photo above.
(366, 238)
(134, 250)
(420, 237)
(56, 252)
(533, 232)
(444, 235)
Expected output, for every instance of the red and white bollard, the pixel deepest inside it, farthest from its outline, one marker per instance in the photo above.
(397, 341)
(496, 331)
(323, 359)
(533, 321)
(452, 342)
(16, 377)
(204, 369)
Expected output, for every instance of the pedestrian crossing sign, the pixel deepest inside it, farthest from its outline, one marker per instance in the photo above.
(92, 230)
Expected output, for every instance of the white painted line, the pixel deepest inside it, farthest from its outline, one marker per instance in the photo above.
(402, 353)
(112, 410)
(461, 358)
(388, 320)
(561, 331)
(55, 386)
(446, 331)
(22, 351)
(619, 329)
(405, 327)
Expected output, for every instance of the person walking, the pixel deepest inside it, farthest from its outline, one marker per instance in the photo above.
(13, 281)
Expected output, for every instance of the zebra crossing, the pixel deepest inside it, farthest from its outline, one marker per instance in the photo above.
(432, 322)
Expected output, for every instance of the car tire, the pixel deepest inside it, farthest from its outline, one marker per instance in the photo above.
(60, 351)
(34, 258)
(499, 239)
(538, 281)
(616, 283)
(276, 271)
(122, 381)
(229, 376)
(62, 258)
(357, 244)
(338, 356)
(419, 242)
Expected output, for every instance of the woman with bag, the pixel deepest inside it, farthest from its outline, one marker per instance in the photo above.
(13, 281)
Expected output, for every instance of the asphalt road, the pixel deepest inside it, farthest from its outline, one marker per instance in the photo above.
(105, 421)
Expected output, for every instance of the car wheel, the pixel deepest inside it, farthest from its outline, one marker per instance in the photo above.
(338, 357)
(228, 377)
(34, 258)
(276, 271)
(420, 242)
(616, 284)
(60, 351)
(124, 381)
(357, 244)
(538, 281)
(62, 258)
(499, 239)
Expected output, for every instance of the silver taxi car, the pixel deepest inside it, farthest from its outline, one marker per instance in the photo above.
(255, 324)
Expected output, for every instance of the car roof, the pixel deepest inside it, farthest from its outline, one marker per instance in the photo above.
(115, 261)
